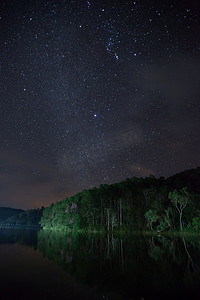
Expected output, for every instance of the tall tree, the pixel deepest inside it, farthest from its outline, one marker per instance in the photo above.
(180, 200)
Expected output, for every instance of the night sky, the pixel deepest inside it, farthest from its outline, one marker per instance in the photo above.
(94, 92)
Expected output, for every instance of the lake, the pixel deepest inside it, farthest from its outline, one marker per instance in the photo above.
(55, 265)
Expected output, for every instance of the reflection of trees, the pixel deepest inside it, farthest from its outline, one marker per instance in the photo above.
(26, 237)
(56, 246)
(121, 263)
(191, 264)
(181, 252)
(62, 247)
(192, 272)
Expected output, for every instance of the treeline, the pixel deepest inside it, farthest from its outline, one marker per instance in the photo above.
(136, 203)
(31, 217)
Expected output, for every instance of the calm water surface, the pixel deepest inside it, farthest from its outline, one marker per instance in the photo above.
(54, 265)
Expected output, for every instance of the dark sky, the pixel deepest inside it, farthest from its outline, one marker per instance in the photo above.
(94, 92)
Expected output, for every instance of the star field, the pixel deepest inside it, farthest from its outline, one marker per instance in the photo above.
(94, 92)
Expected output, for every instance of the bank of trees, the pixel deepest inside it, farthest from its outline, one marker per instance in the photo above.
(136, 203)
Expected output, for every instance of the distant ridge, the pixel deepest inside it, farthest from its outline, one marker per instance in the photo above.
(189, 178)
(7, 212)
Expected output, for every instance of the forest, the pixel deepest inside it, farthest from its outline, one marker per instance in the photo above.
(149, 203)
(155, 204)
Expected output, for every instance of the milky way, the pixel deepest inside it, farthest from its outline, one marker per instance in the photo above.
(94, 92)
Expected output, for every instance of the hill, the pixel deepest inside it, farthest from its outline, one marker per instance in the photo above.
(7, 212)
(29, 217)
(189, 178)
(136, 203)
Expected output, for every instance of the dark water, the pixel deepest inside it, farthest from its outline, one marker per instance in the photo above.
(54, 265)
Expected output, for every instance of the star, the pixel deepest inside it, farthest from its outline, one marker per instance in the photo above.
(88, 86)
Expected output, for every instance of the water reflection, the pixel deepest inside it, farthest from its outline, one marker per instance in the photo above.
(134, 267)
(27, 275)
(27, 237)
(56, 265)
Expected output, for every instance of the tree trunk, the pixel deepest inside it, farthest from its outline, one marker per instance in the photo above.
(181, 226)
(108, 219)
(120, 213)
